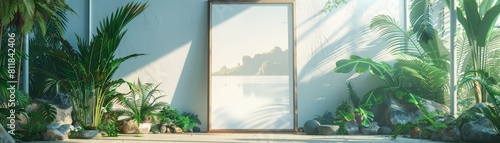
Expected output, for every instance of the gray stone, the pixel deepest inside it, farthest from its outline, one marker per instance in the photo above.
(5, 136)
(328, 129)
(450, 134)
(54, 126)
(352, 127)
(370, 130)
(66, 128)
(384, 130)
(63, 112)
(54, 135)
(482, 130)
(396, 111)
(196, 129)
(63, 116)
(163, 129)
(311, 127)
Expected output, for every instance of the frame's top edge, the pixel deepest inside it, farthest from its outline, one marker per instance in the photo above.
(252, 1)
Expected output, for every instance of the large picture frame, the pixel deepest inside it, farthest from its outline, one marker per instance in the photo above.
(252, 66)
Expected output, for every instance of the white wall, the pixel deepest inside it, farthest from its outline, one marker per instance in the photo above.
(174, 35)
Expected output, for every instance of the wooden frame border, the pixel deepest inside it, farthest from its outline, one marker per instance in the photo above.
(294, 54)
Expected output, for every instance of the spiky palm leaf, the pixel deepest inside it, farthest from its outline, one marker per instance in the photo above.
(396, 39)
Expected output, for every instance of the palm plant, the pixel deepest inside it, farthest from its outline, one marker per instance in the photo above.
(21, 16)
(87, 74)
(492, 86)
(41, 43)
(141, 102)
(480, 51)
(392, 76)
(421, 55)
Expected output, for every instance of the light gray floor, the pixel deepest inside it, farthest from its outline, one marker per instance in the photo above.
(241, 137)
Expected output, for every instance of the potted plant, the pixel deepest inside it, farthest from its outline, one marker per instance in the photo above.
(141, 103)
(87, 73)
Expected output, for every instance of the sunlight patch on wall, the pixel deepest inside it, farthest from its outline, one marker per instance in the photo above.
(165, 71)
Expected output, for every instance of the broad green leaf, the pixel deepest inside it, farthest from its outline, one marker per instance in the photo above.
(486, 25)
(484, 6)
(473, 18)
(467, 27)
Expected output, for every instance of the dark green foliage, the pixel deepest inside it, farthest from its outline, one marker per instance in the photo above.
(187, 121)
(110, 128)
(353, 96)
(362, 108)
(326, 119)
(167, 114)
(343, 114)
(37, 122)
(86, 72)
(426, 123)
(493, 88)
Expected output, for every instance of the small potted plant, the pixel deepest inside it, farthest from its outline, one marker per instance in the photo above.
(141, 103)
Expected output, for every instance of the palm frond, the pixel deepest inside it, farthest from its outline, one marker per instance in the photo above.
(396, 39)
(421, 20)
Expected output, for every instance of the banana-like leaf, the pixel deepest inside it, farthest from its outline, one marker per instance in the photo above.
(360, 65)
(487, 23)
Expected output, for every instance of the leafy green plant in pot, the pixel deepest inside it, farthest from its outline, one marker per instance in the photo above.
(87, 74)
(141, 103)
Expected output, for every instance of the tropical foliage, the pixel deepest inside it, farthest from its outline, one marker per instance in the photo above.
(343, 114)
(87, 72)
(187, 121)
(37, 122)
(479, 45)
(142, 101)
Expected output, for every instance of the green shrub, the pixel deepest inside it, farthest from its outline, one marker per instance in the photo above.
(109, 128)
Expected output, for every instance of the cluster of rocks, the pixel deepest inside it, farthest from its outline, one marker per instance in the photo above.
(313, 127)
(395, 111)
(57, 132)
(130, 127)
